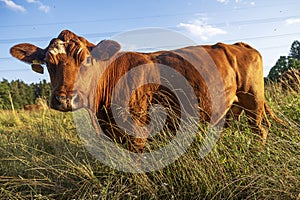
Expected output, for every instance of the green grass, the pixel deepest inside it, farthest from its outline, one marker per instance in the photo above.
(42, 157)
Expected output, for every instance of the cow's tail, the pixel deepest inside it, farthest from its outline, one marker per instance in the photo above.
(272, 115)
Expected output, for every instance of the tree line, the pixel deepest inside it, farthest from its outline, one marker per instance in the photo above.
(16, 94)
(286, 63)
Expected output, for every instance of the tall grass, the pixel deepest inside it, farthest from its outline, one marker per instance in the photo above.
(42, 157)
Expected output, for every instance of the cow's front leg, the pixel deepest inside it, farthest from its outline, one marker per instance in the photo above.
(140, 133)
(137, 145)
(140, 127)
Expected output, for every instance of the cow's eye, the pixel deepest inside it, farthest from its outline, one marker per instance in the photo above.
(88, 61)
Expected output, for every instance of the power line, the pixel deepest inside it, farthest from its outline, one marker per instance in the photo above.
(275, 47)
(255, 21)
(5, 58)
(43, 39)
(105, 34)
(262, 37)
(141, 17)
(14, 70)
(101, 20)
(162, 47)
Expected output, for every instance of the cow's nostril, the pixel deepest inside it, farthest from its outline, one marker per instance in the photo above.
(68, 102)
(76, 100)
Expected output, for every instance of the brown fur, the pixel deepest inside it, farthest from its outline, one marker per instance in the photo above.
(239, 65)
(32, 107)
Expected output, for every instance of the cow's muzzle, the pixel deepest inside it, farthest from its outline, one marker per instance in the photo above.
(67, 102)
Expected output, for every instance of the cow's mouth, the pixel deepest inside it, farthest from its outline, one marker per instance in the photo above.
(66, 103)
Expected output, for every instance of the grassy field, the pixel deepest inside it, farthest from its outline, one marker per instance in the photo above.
(42, 157)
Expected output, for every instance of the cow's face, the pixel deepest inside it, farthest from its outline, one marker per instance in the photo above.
(64, 57)
(63, 60)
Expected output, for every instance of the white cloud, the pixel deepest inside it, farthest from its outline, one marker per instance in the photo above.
(202, 30)
(42, 7)
(292, 21)
(13, 6)
(223, 1)
(252, 3)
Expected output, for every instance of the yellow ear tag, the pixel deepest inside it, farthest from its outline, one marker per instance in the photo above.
(37, 68)
(37, 62)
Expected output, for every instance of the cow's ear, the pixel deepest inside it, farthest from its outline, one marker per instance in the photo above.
(105, 49)
(28, 53)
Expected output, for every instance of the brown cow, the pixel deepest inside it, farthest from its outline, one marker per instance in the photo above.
(32, 107)
(72, 62)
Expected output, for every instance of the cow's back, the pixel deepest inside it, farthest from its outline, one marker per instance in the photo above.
(228, 70)
(239, 64)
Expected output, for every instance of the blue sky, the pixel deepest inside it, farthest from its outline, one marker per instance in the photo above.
(268, 25)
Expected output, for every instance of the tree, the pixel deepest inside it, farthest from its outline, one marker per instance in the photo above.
(295, 50)
(22, 93)
(4, 99)
(285, 63)
(280, 67)
(293, 63)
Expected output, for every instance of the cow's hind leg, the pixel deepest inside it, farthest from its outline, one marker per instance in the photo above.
(140, 119)
(255, 119)
(233, 114)
(139, 135)
(253, 106)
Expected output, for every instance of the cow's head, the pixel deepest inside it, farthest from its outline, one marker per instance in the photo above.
(64, 57)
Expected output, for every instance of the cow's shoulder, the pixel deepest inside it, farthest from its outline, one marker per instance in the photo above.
(239, 50)
(219, 45)
(241, 46)
(136, 58)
